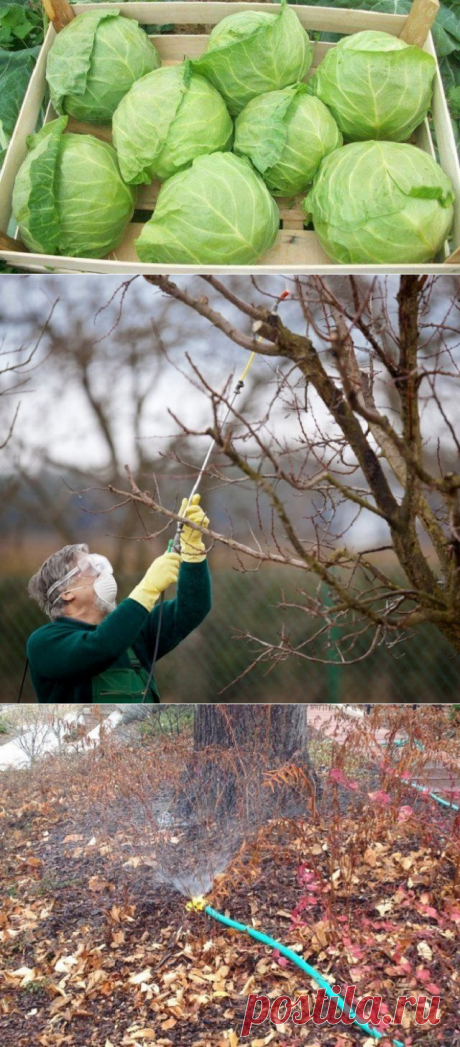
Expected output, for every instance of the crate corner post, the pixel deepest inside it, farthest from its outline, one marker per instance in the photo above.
(59, 12)
(419, 21)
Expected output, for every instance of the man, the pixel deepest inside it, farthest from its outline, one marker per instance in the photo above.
(94, 651)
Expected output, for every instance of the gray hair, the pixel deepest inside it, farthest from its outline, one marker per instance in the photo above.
(51, 571)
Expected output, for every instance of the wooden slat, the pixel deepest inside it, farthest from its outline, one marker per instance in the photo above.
(37, 263)
(423, 139)
(173, 49)
(101, 131)
(25, 125)
(290, 210)
(328, 19)
(8, 244)
(293, 248)
(419, 21)
(445, 139)
(454, 258)
(59, 12)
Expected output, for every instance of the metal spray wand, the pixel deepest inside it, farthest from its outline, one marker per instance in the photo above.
(174, 543)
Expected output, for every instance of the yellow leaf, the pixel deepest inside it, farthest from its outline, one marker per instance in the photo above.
(424, 951)
(65, 964)
(169, 1023)
(247, 986)
(26, 974)
(57, 1005)
(320, 930)
(384, 907)
(143, 976)
(143, 1034)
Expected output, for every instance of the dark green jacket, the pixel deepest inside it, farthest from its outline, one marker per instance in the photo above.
(66, 654)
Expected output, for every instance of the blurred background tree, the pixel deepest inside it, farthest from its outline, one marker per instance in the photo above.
(116, 388)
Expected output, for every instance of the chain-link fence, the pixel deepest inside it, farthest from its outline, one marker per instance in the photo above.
(423, 668)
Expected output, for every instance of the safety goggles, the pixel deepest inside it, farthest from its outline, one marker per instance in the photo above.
(88, 564)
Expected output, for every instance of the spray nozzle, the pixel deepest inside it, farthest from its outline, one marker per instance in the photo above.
(196, 904)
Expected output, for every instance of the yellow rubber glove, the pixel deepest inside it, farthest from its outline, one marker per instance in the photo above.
(161, 573)
(191, 542)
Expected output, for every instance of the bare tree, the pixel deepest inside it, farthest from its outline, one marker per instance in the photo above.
(358, 437)
(17, 366)
(113, 381)
(279, 730)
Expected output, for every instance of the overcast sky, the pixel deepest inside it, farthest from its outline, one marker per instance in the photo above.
(69, 426)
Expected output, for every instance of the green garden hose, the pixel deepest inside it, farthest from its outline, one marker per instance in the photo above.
(198, 903)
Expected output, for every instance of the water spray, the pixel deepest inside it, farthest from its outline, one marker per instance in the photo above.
(174, 543)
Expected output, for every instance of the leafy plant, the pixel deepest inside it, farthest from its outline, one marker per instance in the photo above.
(446, 36)
(4, 725)
(69, 196)
(286, 134)
(376, 86)
(254, 51)
(381, 202)
(20, 27)
(21, 35)
(218, 208)
(167, 119)
(93, 63)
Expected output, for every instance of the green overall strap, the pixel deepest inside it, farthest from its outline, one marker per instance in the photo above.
(126, 685)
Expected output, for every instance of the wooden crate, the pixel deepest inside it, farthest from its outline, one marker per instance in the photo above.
(296, 250)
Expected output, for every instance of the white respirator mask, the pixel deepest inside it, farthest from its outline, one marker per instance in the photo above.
(93, 566)
(106, 587)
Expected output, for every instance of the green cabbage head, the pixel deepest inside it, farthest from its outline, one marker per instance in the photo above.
(69, 197)
(255, 51)
(167, 119)
(93, 63)
(286, 134)
(376, 86)
(217, 212)
(382, 202)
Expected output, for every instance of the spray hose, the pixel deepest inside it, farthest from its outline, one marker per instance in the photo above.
(199, 905)
(415, 785)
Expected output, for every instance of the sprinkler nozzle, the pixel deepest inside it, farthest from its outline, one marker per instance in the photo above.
(196, 904)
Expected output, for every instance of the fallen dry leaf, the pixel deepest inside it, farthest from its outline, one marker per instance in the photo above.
(143, 976)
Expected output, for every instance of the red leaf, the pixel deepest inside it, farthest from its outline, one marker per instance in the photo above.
(428, 910)
(433, 989)
(404, 813)
(379, 797)
(423, 974)
(337, 775)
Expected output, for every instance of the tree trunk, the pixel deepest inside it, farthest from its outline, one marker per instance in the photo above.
(277, 730)
(452, 634)
(236, 744)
